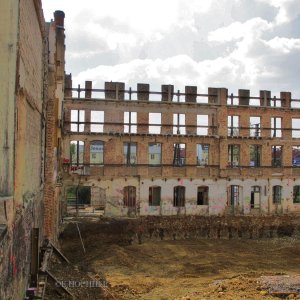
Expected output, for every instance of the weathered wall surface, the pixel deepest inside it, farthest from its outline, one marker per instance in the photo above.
(218, 196)
(8, 62)
(52, 191)
(23, 87)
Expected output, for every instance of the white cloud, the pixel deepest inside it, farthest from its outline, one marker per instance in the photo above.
(228, 43)
(250, 29)
(283, 45)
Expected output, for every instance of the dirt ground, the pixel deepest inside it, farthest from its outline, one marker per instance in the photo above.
(187, 269)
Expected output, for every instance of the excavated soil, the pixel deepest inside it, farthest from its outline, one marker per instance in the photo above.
(187, 268)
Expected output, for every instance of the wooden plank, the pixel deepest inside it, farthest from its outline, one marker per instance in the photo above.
(59, 253)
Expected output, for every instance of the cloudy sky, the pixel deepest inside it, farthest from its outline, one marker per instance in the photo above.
(250, 44)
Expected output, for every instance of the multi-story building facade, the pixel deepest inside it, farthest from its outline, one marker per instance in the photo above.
(137, 152)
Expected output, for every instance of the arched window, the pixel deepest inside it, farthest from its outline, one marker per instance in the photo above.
(179, 196)
(277, 191)
(96, 152)
(129, 196)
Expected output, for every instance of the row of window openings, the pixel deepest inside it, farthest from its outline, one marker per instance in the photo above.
(130, 122)
(130, 119)
(255, 126)
(179, 154)
(203, 192)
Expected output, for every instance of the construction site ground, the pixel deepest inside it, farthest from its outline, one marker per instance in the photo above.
(265, 268)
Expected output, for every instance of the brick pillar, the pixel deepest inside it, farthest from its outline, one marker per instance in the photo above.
(167, 119)
(86, 156)
(88, 89)
(143, 91)
(286, 99)
(167, 157)
(113, 116)
(222, 96)
(287, 118)
(191, 119)
(222, 112)
(167, 92)
(287, 155)
(266, 156)
(114, 90)
(68, 85)
(191, 155)
(265, 98)
(87, 120)
(191, 94)
(67, 119)
(223, 154)
(244, 96)
(244, 154)
(142, 118)
(265, 123)
(244, 121)
(212, 95)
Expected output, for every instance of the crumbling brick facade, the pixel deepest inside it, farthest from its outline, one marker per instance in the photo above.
(235, 154)
(24, 55)
(56, 69)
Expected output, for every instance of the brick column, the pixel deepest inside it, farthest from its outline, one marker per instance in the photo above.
(191, 119)
(142, 118)
(191, 94)
(167, 119)
(88, 89)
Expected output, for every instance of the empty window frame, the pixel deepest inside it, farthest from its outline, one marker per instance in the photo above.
(178, 123)
(255, 155)
(130, 153)
(76, 152)
(233, 125)
(130, 122)
(78, 195)
(179, 196)
(233, 155)
(179, 155)
(255, 197)
(295, 128)
(154, 195)
(154, 123)
(296, 194)
(276, 156)
(96, 152)
(154, 154)
(202, 124)
(296, 156)
(97, 117)
(77, 120)
(202, 154)
(202, 195)
(255, 126)
(129, 196)
(276, 127)
(234, 195)
(277, 194)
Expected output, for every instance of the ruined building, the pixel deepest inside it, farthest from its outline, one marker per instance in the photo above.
(125, 152)
(31, 89)
(137, 152)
